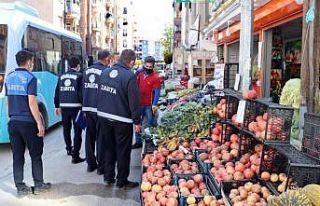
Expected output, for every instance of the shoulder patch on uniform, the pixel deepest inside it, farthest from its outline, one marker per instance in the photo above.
(113, 74)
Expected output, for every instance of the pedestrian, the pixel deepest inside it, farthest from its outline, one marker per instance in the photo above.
(114, 58)
(26, 125)
(149, 85)
(91, 78)
(68, 102)
(118, 110)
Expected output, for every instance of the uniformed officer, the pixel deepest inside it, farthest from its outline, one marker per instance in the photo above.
(26, 126)
(91, 78)
(118, 110)
(68, 102)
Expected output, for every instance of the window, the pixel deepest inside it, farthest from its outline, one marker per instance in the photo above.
(47, 50)
(70, 48)
(125, 32)
(125, 10)
(124, 43)
(125, 22)
(3, 52)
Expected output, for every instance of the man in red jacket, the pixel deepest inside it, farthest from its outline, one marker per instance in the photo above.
(149, 85)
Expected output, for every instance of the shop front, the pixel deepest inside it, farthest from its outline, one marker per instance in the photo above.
(278, 31)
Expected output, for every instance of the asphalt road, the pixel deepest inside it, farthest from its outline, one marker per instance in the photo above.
(72, 184)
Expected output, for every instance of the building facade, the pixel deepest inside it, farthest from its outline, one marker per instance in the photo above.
(51, 11)
(192, 50)
(126, 25)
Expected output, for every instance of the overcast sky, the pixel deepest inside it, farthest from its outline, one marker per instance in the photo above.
(152, 16)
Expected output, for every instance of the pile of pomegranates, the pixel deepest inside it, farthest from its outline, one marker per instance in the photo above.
(184, 167)
(250, 194)
(271, 131)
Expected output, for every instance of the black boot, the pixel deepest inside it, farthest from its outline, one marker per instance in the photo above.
(127, 184)
(91, 168)
(24, 190)
(77, 159)
(44, 187)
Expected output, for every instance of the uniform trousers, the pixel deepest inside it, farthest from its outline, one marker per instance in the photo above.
(117, 140)
(24, 134)
(68, 119)
(93, 142)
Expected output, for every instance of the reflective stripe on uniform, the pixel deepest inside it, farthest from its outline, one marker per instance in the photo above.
(70, 105)
(115, 117)
(89, 109)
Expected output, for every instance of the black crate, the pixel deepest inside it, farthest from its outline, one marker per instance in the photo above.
(247, 142)
(148, 146)
(273, 161)
(212, 190)
(311, 135)
(203, 166)
(218, 184)
(278, 121)
(304, 174)
(301, 167)
(228, 186)
(284, 158)
(250, 112)
(232, 105)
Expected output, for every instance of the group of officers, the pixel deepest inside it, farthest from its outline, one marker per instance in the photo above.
(115, 101)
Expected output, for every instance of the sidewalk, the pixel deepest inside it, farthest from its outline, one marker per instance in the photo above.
(72, 184)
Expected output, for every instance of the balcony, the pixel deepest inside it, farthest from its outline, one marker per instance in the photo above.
(72, 10)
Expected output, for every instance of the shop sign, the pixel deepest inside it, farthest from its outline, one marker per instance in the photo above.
(241, 111)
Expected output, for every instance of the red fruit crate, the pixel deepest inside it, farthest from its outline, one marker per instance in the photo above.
(272, 121)
(311, 135)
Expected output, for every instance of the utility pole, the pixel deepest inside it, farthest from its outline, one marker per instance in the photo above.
(246, 43)
(310, 62)
(311, 59)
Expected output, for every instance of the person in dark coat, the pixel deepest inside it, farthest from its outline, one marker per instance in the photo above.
(118, 113)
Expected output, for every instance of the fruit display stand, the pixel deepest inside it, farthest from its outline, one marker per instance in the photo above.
(229, 156)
